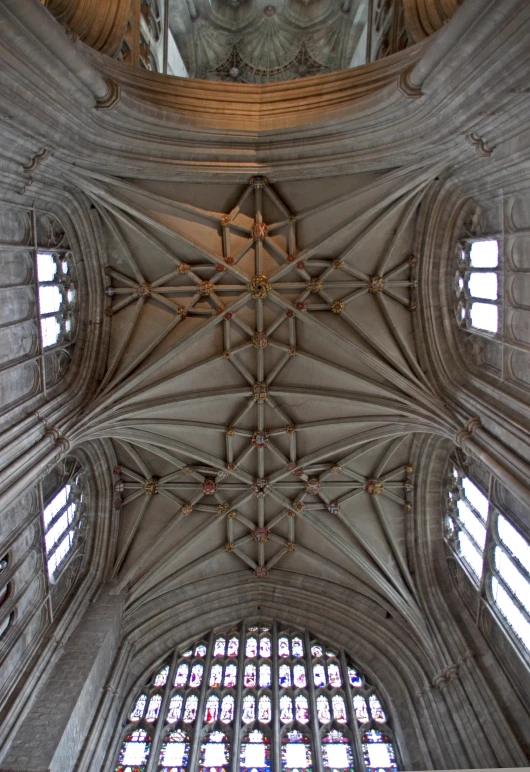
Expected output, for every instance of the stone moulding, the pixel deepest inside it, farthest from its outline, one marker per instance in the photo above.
(251, 107)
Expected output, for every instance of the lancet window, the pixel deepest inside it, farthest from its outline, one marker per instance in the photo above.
(495, 554)
(477, 283)
(38, 309)
(260, 697)
(62, 517)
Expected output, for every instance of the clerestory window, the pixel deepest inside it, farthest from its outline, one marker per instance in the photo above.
(494, 553)
(62, 518)
(255, 694)
(477, 286)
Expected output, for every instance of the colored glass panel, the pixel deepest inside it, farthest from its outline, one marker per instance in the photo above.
(355, 678)
(335, 679)
(283, 647)
(200, 650)
(319, 675)
(139, 708)
(233, 647)
(376, 709)
(154, 708)
(286, 709)
(255, 752)
(296, 752)
(264, 709)
(219, 647)
(339, 708)
(299, 677)
(248, 709)
(284, 676)
(265, 675)
(298, 647)
(230, 675)
(378, 752)
(265, 647)
(215, 752)
(301, 708)
(323, 713)
(250, 676)
(211, 711)
(181, 676)
(190, 709)
(336, 751)
(216, 675)
(175, 751)
(227, 709)
(175, 708)
(317, 651)
(134, 751)
(161, 678)
(251, 649)
(361, 709)
(196, 675)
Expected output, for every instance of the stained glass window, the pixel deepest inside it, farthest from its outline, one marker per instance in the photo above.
(161, 678)
(211, 710)
(264, 675)
(255, 752)
(230, 675)
(471, 522)
(175, 751)
(477, 285)
(181, 676)
(284, 675)
(194, 711)
(286, 709)
(248, 710)
(215, 753)
(337, 751)
(175, 708)
(296, 752)
(134, 752)
(153, 708)
(62, 520)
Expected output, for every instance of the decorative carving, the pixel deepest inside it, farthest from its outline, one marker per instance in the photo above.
(261, 535)
(290, 429)
(409, 468)
(313, 485)
(337, 263)
(260, 340)
(406, 86)
(299, 506)
(480, 144)
(143, 290)
(260, 392)
(334, 508)
(315, 285)
(209, 486)
(261, 572)
(232, 514)
(151, 487)
(229, 547)
(205, 288)
(260, 438)
(230, 431)
(259, 231)
(290, 546)
(373, 487)
(118, 469)
(337, 306)
(183, 268)
(186, 510)
(259, 288)
(376, 284)
(261, 488)
(119, 486)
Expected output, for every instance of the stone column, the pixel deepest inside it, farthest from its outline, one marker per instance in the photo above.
(51, 736)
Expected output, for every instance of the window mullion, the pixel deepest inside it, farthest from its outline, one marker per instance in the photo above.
(197, 736)
(494, 572)
(236, 733)
(471, 537)
(58, 516)
(487, 549)
(358, 756)
(317, 748)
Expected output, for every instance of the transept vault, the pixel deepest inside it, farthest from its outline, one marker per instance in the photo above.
(239, 364)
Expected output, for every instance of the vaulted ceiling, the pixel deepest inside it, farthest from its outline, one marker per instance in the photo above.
(262, 387)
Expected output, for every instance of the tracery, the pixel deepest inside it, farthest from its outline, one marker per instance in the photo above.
(495, 555)
(316, 710)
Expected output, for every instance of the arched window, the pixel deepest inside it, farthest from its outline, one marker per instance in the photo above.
(217, 702)
(477, 286)
(38, 303)
(62, 517)
(494, 553)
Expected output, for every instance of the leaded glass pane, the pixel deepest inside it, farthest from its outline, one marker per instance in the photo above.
(175, 752)
(483, 285)
(510, 612)
(175, 709)
(196, 675)
(484, 254)
(255, 752)
(484, 316)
